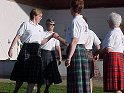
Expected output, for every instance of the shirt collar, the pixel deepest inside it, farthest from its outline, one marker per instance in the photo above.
(117, 28)
(33, 23)
(78, 16)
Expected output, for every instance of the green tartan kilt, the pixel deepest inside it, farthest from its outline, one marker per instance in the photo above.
(78, 74)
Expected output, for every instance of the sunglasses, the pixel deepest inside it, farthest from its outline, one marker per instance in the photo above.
(52, 24)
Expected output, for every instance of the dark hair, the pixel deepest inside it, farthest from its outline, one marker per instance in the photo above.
(50, 20)
(77, 5)
(35, 12)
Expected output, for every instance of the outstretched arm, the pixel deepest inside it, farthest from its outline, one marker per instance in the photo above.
(63, 41)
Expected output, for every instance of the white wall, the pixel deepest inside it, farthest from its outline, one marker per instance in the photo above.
(97, 19)
(11, 16)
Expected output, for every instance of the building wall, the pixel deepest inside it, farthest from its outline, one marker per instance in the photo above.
(13, 14)
(97, 19)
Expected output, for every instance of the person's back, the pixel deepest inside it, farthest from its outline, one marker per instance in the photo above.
(92, 39)
(113, 66)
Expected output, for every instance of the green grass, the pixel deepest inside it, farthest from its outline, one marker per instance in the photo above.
(9, 87)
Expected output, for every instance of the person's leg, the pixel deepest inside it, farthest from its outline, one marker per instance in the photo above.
(17, 86)
(38, 88)
(91, 85)
(47, 86)
(30, 87)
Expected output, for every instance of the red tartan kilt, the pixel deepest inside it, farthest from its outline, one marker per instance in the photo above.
(113, 72)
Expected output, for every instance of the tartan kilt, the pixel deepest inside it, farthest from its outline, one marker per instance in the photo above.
(113, 72)
(28, 67)
(78, 75)
(50, 68)
(91, 63)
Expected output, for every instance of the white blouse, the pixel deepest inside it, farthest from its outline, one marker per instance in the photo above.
(77, 29)
(114, 40)
(92, 39)
(51, 44)
(30, 32)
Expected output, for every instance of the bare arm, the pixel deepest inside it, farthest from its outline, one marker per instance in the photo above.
(97, 52)
(63, 41)
(10, 53)
(58, 48)
(71, 51)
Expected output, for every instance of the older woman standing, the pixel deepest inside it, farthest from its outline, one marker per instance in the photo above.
(113, 65)
(28, 65)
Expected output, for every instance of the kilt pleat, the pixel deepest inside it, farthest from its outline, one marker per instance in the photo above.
(28, 67)
(78, 75)
(50, 68)
(113, 72)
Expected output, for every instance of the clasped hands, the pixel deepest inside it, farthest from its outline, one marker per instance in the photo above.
(55, 35)
(67, 62)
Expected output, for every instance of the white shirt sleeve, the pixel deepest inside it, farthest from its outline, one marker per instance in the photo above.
(57, 43)
(75, 29)
(22, 29)
(96, 39)
(109, 40)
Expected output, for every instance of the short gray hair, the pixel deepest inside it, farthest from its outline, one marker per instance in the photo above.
(115, 18)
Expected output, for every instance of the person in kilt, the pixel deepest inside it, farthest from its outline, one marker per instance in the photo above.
(113, 65)
(92, 41)
(78, 71)
(49, 58)
(92, 57)
(78, 74)
(28, 67)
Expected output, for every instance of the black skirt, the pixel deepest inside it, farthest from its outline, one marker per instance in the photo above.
(28, 67)
(50, 68)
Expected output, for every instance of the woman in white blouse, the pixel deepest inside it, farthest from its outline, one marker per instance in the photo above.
(28, 65)
(78, 76)
(113, 65)
(49, 58)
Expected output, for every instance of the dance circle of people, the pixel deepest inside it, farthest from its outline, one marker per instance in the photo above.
(41, 50)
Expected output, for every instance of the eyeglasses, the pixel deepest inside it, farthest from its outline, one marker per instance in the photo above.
(52, 24)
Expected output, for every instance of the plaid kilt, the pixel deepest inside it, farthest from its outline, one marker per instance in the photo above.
(91, 63)
(113, 72)
(28, 67)
(50, 68)
(78, 75)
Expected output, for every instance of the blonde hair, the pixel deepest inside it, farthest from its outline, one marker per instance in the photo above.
(35, 12)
